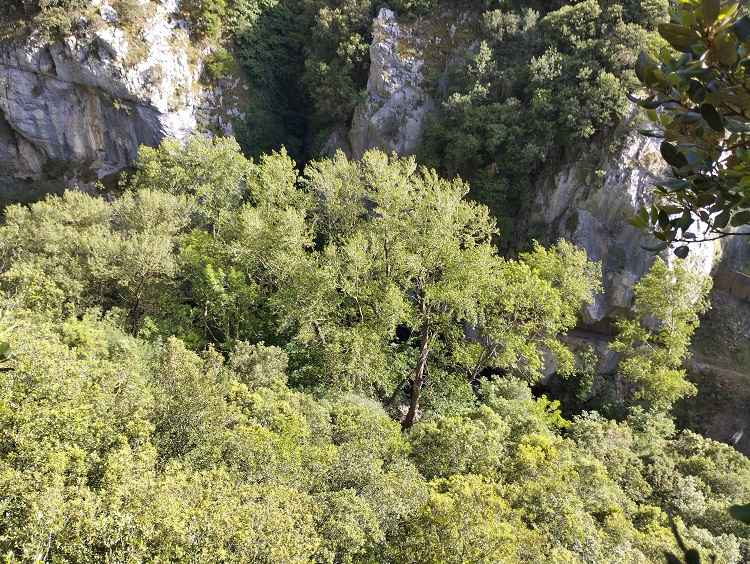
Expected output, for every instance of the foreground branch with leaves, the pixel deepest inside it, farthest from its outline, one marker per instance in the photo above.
(699, 101)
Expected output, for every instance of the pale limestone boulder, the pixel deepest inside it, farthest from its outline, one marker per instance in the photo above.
(108, 13)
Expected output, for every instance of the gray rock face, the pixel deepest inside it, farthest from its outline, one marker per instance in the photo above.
(93, 99)
(591, 208)
(108, 14)
(394, 113)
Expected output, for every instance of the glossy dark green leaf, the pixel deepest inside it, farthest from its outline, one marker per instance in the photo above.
(703, 183)
(672, 185)
(678, 35)
(672, 155)
(651, 133)
(663, 219)
(711, 11)
(726, 48)
(742, 28)
(741, 513)
(697, 72)
(704, 198)
(638, 222)
(696, 92)
(682, 252)
(688, 118)
(685, 220)
(636, 100)
(657, 248)
(649, 103)
(642, 66)
(712, 117)
(721, 220)
(740, 218)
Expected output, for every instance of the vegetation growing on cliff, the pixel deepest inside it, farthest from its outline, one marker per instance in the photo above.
(544, 79)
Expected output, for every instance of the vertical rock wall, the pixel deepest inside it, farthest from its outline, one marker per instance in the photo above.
(393, 115)
(95, 98)
(589, 203)
(398, 102)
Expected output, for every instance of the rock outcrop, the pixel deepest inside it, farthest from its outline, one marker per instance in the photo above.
(93, 99)
(589, 203)
(398, 103)
(393, 115)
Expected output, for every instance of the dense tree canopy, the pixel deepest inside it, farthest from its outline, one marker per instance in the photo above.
(147, 451)
(196, 377)
(543, 80)
(404, 250)
(238, 359)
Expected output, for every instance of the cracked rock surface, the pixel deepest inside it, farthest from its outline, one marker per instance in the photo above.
(94, 99)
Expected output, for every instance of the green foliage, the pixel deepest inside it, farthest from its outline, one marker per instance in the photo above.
(210, 170)
(220, 64)
(465, 520)
(337, 56)
(403, 249)
(188, 405)
(121, 441)
(208, 17)
(54, 19)
(470, 443)
(258, 366)
(300, 56)
(590, 496)
(5, 356)
(268, 39)
(692, 556)
(77, 251)
(152, 453)
(544, 79)
(703, 121)
(667, 302)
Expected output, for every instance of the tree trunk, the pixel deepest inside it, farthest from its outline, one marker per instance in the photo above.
(416, 390)
(394, 396)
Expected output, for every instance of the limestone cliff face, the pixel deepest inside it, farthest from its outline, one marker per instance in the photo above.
(589, 203)
(393, 115)
(95, 98)
(398, 103)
